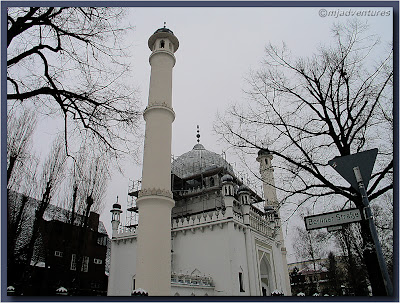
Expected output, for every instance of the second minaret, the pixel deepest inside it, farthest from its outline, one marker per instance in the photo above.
(153, 264)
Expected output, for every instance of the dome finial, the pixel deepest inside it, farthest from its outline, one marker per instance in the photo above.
(165, 24)
(198, 134)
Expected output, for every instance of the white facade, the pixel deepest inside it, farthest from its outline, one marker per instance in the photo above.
(200, 231)
(222, 244)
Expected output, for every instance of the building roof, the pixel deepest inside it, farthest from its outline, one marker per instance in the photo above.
(197, 161)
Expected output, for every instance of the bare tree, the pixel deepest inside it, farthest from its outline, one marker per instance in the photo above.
(309, 246)
(383, 214)
(51, 176)
(85, 192)
(69, 62)
(307, 111)
(350, 241)
(19, 141)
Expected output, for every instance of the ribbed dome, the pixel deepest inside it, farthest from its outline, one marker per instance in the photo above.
(197, 161)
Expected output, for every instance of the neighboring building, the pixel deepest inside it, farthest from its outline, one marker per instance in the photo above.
(313, 277)
(54, 260)
(223, 242)
(308, 277)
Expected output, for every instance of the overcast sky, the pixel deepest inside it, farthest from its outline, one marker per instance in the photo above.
(218, 47)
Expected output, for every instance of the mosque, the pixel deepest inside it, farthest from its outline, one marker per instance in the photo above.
(198, 230)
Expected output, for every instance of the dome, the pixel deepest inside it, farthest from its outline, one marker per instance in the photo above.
(264, 152)
(227, 178)
(116, 206)
(243, 188)
(197, 161)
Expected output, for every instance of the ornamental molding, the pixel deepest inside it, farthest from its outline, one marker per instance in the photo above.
(159, 105)
(155, 192)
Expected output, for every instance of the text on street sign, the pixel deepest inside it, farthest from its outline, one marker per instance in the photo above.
(333, 218)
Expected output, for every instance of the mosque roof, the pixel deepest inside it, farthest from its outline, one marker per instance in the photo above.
(197, 161)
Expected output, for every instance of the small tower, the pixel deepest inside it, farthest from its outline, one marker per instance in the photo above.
(228, 192)
(267, 175)
(115, 217)
(155, 201)
(271, 206)
(244, 199)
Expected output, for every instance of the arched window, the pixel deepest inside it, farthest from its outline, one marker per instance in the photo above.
(212, 182)
(162, 44)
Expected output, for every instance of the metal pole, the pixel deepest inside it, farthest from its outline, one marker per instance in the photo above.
(369, 217)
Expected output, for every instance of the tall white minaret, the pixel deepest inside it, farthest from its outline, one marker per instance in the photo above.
(267, 175)
(153, 264)
(271, 200)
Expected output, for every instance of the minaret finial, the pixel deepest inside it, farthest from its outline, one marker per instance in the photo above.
(198, 135)
(165, 24)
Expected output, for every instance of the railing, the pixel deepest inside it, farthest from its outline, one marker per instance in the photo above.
(260, 224)
(190, 280)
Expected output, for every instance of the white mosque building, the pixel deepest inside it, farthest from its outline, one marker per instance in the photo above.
(220, 242)
(223, 244)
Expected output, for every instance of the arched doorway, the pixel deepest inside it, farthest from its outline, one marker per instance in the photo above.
(265, 277)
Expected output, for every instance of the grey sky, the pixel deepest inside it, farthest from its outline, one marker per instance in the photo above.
(218, 47)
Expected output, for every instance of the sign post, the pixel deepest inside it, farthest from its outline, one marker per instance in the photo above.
(369, 217)
(357, 169)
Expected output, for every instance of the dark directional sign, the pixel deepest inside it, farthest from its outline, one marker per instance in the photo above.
(364, 160)
(333, 218)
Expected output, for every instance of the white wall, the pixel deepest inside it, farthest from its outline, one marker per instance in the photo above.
(219, 253)
(122, 267)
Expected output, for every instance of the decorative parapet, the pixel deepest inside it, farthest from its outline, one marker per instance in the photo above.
(261, 225)
(155, 192)
(205, 218)
(192, 281)
(125, 234)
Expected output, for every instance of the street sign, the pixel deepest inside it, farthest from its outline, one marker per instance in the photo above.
(333, 218)
(364, 160)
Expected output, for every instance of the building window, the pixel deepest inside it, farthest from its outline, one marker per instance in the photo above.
(85, 264)
(162, 44)
(95, 285)
(58, 253)
(97, 261)
(73, 262)
(241, 282)
(102, 240)
(212, 182)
